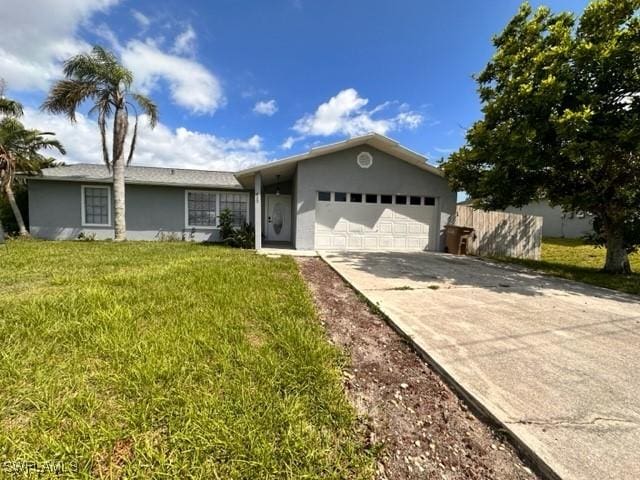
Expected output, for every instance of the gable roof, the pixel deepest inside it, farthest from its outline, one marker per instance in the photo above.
(380, 142)
(85, 172)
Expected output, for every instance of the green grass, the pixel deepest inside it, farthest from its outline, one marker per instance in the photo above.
(168, 360)
(572, 259)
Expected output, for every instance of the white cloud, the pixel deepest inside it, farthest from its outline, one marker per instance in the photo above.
(162, 146)
(185, 43)
(267, 108)
(36, 39)
(289, 142)
(345, 114)
(37, 35)
(141, 18)
(191, 85)
(410, 120)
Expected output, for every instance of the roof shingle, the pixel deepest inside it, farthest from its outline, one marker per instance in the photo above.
(84, 172)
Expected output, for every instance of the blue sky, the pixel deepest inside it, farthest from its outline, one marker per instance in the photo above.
(241, 82)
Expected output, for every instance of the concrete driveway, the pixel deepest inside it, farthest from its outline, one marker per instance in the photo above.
(555, 361)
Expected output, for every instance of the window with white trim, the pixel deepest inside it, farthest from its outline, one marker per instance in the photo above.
(96, 205)
(324, 196)
(237, 204)
(339, 197)
(202, 209)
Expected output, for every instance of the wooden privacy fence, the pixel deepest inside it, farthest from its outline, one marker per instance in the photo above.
(501, 234)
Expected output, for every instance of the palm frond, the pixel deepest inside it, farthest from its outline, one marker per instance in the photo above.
(104, 102)
(102, 124)
(40, 142)
(98, 66)
(67, 95)
(148, 107)
(134, 137)
(82, 67)
(10, 107)
(20, 149)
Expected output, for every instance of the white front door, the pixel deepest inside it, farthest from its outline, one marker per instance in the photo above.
(278, 215)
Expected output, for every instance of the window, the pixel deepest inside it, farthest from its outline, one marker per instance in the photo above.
(201, 208)
(386, 199)
(415, 200)
(371, 198)
(401, 199)
(96, 206)
(324, 196)
(356, 197)
(430, 201)
(237, 204)
(339, 197)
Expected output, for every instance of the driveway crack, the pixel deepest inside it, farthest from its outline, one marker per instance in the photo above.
(574, 422)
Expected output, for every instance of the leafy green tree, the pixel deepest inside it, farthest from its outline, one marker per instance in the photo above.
(98, 77)
(561, 105)
(20, 152)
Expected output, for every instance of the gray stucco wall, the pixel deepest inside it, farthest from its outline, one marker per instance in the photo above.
(151, 212)
(388, 175)
(557, 223)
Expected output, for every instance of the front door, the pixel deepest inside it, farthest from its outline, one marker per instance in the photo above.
(278, 218)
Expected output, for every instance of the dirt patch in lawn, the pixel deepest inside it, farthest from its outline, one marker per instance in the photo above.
(423, 428)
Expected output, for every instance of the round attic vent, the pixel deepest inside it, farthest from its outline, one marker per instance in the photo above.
(365, 160)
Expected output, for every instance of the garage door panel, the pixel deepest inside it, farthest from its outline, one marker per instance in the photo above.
(373, 227)
(355, 228)
(400, 228)
(323, 241)
(413, 242)
(414, 228)
(341, 226)
(385, 227)
(385, 242)
(355, 242)
(370, 242)
(400, 243)
(339, 242)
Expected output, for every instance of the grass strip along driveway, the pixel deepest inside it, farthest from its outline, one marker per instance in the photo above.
(573, 259)
(168, 360)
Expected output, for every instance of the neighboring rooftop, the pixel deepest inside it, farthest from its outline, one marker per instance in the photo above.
(83, 172)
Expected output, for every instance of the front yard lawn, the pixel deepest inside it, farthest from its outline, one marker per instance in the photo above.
(168, 360)
(573, 259)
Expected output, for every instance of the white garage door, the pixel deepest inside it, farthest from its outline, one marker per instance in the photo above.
(355, 222)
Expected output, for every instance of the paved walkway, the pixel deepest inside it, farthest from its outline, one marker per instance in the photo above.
(557, 362)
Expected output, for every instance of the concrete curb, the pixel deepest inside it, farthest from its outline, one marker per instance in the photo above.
(542, 468)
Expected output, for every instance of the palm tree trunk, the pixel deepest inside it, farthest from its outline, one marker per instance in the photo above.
(120, 125)
(22, 229)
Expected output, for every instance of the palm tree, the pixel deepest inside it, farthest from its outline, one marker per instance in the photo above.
(8, 106)
(99, 77)
(20, 152)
